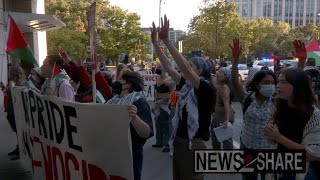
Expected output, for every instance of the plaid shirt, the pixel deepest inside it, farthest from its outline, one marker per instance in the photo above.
(255, 119)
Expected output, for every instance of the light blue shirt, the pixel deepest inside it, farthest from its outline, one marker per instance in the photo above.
(254, 121)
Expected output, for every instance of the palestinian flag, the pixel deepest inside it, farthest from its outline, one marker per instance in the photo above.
(100, 98)
(29, 84)
(313, 51)
(16, 45)
(58, 73)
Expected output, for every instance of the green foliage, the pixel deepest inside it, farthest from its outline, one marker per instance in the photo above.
(211, 32)
(213, 29)
(117, 30)
(73, 42)
(218, 23)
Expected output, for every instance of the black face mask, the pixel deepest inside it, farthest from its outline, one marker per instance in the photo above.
(158, 71)
(117, 88)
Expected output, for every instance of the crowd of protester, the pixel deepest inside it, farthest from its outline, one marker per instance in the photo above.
(192, 98)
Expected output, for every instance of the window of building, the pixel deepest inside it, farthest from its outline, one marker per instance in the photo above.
(277, 8)
(288, 8)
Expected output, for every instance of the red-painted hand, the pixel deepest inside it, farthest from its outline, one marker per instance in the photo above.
(164, 29)
(300, 50)
(236, 49)
(154, 34)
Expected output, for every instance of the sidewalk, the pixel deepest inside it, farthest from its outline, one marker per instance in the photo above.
(157, 165)
(9, 169)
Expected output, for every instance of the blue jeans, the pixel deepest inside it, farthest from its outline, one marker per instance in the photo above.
(311, 173)
(162, 128)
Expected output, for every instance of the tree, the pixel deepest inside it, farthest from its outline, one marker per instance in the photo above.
(214, 29)
(73, 42)
(117, 30)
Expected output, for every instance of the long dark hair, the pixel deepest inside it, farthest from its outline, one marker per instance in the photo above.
(135, 79)
(257, 78)
(302, 97)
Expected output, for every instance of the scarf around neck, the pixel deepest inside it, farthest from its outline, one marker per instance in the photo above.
(187, 98)
(127, 99)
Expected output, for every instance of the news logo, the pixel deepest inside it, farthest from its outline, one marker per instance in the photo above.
(246, 161)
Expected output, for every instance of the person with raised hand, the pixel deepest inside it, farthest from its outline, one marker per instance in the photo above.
(163, 89)
(296, 121)
(300, 53)
(83, 79)
(195, 106)
(257, 106)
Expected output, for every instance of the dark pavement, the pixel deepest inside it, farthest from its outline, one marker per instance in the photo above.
(9, 169)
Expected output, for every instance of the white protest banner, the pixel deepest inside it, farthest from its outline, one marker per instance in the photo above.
(150, 80)
(59, 139)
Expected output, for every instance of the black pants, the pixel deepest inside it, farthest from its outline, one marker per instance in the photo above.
(12, 122)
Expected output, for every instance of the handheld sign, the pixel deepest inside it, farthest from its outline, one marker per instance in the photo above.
(60, 139)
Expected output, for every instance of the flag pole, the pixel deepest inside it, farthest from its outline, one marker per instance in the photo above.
(5, 63)
(92, 36)
(94, 85)
(54, 65)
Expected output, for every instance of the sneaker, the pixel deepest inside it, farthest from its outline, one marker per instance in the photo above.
(14, 152)
(170, 153)
(15, 158)
(166, 149)
(157, 145)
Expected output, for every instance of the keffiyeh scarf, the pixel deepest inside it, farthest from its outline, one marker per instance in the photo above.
(126, 100)
(187, 98)
(311, 133)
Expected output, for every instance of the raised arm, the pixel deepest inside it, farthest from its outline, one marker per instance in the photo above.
(226, 104)
(236, 51)
(301, 53)
(182, 63)
(173, 73)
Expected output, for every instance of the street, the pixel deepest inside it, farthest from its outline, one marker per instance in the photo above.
(157, 165)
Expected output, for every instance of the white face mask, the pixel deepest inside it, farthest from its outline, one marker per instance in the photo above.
(267, 90)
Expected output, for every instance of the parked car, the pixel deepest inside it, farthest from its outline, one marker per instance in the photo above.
(243, 71)
(289, 62)
(264, 63)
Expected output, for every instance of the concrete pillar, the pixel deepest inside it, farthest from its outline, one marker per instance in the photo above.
(315, 12)
(294, 14)
(240, 9)
(272, 10)
(254, 9)
(261, 8)
(304, 12)
(283, 10)
(39, 38)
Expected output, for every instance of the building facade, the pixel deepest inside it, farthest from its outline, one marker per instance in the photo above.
(32, 21)
(294, 12)
(175, 35)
